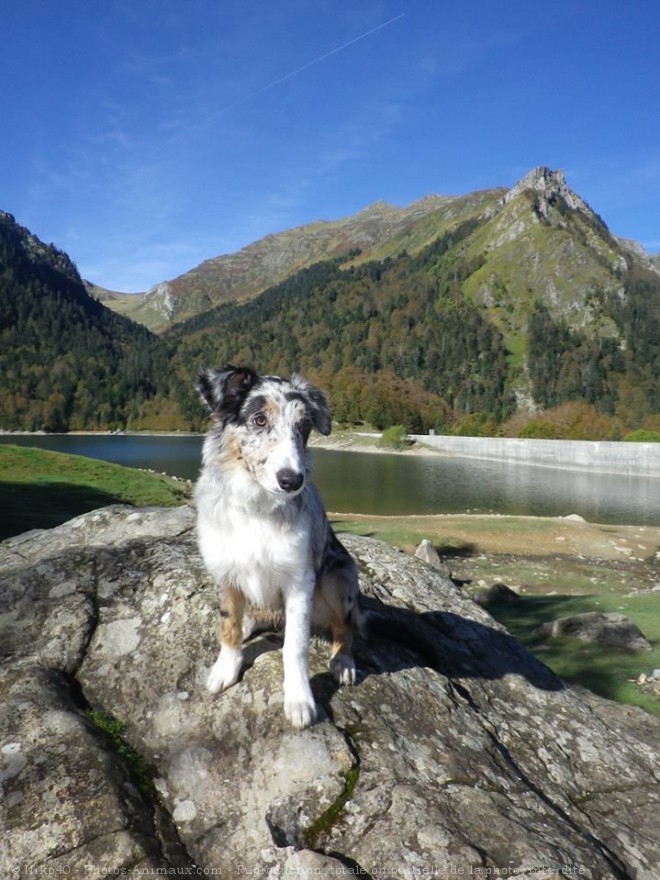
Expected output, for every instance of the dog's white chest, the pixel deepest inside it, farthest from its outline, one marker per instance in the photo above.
(260, 557)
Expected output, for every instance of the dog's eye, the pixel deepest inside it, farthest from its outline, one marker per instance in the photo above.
(260, 420)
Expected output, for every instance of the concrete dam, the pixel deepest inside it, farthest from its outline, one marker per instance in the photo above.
(601, 456)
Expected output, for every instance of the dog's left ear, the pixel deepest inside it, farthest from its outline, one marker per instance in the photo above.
(316, 404)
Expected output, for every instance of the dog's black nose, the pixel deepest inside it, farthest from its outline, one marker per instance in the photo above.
(290, 480)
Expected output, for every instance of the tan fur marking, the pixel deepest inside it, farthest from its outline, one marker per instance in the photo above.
(272, 409)
(232, 448)
(342, 641)
(231, 625)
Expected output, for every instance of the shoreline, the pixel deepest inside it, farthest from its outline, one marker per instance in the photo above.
(340, 444)
(543, 555)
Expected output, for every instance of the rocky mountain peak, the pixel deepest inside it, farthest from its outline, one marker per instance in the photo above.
(549, 184)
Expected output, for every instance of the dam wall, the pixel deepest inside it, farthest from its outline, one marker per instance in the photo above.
(602, 456)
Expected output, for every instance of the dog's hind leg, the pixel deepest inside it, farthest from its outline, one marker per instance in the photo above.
(336, 609)
(227, 667)
(342, 664)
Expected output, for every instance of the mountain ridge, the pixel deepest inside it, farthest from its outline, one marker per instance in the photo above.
(525, 301)
(377, 231)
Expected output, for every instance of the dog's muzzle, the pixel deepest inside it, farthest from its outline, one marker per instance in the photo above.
(290, 480)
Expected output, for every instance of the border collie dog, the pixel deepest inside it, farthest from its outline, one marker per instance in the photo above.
(263, 533)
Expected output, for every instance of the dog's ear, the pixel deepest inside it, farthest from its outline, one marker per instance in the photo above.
(223, 390)
(316, 404)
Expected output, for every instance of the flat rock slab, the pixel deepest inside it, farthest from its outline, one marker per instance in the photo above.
(456, 752)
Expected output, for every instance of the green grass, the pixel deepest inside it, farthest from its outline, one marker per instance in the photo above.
(603, 670)
(395, 534)
(41, 489)
(141, 772)
(406, 532)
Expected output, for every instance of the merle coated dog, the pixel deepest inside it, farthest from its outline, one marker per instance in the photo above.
(263, 532)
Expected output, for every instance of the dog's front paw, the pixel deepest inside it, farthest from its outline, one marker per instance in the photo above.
(225, 671)
(300, 713)
(342, 667)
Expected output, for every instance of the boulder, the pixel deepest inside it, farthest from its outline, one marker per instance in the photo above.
(427, 553)
(456, 752)
(497, 594)
(610, 629)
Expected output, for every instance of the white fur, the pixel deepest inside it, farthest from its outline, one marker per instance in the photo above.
(251, 552)
(225, 671)
(269, 563)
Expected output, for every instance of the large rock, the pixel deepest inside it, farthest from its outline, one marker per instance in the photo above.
(456, 752)
(609, 629)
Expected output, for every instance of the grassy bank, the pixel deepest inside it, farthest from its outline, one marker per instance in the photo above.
(606, 671)
(41, 489)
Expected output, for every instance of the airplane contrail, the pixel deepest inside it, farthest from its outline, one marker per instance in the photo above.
(281, 79)
(276, 82)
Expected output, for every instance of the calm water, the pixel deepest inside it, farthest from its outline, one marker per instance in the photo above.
(394, 484)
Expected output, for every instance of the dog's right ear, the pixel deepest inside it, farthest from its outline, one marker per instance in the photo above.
(223, 390)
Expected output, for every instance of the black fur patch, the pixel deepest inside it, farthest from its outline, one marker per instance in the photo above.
(316, 406)
(224, 389)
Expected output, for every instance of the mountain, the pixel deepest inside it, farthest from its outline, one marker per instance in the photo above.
(66, 361)
(376, 232)
(456, 313)
(524, 300)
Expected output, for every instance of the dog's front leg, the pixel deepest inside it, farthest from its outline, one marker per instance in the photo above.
(227, 667)
(299, 705)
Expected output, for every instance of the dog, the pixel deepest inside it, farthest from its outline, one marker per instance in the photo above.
(263, 533)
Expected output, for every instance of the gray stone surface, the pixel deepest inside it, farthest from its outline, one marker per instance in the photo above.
(456, 752)
(610, 629)
(427, 553)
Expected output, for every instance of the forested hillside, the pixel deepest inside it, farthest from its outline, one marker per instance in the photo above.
(66, 362)
(399, 341)
(393, 341)
(515, 305)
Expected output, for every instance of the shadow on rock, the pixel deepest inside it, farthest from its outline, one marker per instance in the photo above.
(453, 645)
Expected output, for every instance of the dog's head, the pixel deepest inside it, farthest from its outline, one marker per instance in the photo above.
(263, 424)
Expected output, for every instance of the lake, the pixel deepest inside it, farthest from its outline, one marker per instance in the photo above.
(359, 482)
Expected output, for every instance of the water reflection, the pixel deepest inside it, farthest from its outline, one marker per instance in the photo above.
(363, 483)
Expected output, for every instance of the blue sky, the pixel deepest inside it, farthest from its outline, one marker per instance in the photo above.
(144, 136)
